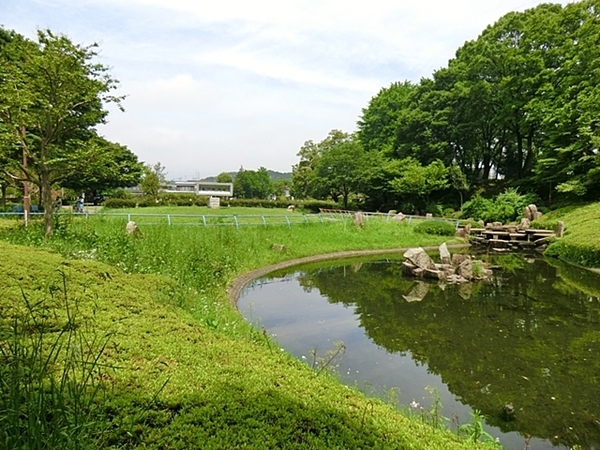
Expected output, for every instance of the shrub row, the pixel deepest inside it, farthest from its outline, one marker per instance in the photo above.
(436, 227)
(191, 199)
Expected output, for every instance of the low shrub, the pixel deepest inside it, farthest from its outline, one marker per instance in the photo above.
(436, 227)
(586, 255)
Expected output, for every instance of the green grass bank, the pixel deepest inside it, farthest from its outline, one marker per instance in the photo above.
(581, 242)
(144, 326)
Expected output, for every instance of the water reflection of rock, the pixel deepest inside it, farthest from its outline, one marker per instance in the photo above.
(418, 292)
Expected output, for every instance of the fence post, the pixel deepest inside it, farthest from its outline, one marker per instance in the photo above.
(409, 219)
(288, 221)
(264, 221)
(236, 222)
(128, 217)
(169, 219)
(305, 218)
(204, 221)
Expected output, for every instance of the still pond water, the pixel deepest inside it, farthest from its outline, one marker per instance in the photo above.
(529, 337)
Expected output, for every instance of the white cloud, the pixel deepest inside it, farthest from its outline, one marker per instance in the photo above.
(215, 85)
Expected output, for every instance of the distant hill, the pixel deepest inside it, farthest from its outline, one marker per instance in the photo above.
(272, 173)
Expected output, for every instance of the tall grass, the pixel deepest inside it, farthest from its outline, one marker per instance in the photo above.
(203, 261)
(50, 375)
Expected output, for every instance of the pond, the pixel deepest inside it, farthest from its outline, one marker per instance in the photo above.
(528, 338)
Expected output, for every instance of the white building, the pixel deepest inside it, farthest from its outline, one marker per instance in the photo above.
(207, 188)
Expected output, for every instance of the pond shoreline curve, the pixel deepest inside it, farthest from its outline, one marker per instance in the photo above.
(240, 282)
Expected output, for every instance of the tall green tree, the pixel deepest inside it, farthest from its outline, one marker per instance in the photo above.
(112, 166)
(420, 181)
(332, 168)
(153, 179)
(377, 127)
(52, 96)
(224, 177)
(253, 183)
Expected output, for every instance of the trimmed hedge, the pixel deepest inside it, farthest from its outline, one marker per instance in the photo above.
(436, 227)
(192, 199)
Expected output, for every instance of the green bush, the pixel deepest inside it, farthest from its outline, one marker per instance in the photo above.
(505, 207)
(477, 208)
(586, 255)
(436, 227)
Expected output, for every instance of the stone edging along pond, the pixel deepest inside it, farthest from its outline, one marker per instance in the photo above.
(237, 286)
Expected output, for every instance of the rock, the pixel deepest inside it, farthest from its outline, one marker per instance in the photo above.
(560, 228)
(525, 224)
(460, 233)
(398, 217)
(468, 229)
(508, 412)
(408, 268)
(419, 258)
(480, 223)
(465, 269)
(444, 254)
(429, 216)
(538, 214)
(278, 247)
(133, 229)
(458, 258)
(418, 292)
(359, 219)
(291, 208)
(497, 226)
(392, 212)
(418, 272)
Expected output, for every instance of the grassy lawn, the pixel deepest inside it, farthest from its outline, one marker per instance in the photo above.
(172, 364)
(581, 242)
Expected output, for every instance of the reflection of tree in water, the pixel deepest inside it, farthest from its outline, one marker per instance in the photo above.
(527, 337)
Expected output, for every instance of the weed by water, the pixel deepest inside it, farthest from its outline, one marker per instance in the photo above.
(330, 361)
(474, 431)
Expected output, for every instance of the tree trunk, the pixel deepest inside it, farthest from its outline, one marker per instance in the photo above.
(46, 200)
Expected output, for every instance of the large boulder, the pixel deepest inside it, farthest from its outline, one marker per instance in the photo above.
(531, 212)
(525, 224)
(458, 258)
(465, 270)
(420, 258)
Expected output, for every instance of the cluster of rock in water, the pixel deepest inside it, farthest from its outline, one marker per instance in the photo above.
(457, 268)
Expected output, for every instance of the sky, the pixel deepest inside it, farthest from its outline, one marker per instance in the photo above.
(216, 85)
